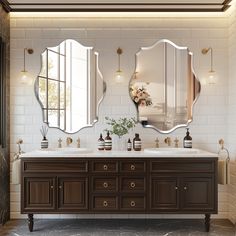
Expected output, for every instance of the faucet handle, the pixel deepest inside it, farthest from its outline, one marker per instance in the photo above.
(167, 141)
(69, 140)
(176, 142)
(78, 142)
(59, 142)
(157, 143)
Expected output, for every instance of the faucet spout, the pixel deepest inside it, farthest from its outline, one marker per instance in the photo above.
(69, 140)
(168, 141)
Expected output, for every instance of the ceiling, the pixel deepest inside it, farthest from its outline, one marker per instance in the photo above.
(116, 5)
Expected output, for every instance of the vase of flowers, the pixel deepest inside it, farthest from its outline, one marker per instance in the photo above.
(140, 96)
(120, 128)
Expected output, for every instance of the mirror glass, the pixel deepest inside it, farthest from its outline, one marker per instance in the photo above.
(70, 86)
(164, 86)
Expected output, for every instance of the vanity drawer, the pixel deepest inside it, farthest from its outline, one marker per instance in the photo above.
(133, 166)
(105, 203)
(133, 203)
(104, 166)
(104, 184)
(55, 166)
(182, 166)
(133, 184)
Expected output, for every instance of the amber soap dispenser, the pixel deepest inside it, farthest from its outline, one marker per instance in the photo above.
(187, 140)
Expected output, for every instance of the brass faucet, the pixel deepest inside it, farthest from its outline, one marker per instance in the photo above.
(168, 141)
(157, 143)
(69, 140)
(78, 142)
(59, 143)
(176, 142)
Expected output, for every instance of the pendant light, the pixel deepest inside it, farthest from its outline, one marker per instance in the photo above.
(119, 78)
(25, 77)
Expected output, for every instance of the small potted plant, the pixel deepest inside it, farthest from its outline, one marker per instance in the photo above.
(120, 127)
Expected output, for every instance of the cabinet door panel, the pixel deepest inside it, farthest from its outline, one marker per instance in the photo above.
(73, 193)
(198, 193)
(164, 193)
(39, 193)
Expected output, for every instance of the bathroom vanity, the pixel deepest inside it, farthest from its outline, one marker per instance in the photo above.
(119, 182)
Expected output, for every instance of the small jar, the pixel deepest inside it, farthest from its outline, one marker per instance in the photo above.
(44, 143)
(108, 142)
(137, 144)
(101, 143)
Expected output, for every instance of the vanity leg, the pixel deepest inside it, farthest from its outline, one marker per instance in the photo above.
(207, 222)
(31, 222)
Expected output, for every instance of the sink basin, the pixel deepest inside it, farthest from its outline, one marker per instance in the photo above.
(66, 150)
(172, 151)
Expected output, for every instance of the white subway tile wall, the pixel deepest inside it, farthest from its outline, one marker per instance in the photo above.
(106, 35)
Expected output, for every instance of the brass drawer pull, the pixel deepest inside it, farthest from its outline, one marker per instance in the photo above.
(60, 187)
(132, 203)
(105, 184)
(105, 203)
(105, 167)
(176, 188)
(185, 188)
(132, 167)
(132, 184)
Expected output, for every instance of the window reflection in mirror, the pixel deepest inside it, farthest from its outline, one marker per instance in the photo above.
(164, 86)
(69, 86)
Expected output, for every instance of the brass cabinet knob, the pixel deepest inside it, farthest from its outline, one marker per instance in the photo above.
(105, 203)
(105, 167)
(105, 184)
(52, 187)
(60, 187)
(176, 188)
(132, 203)
(132, 167)
(185, 188)
(132, 184)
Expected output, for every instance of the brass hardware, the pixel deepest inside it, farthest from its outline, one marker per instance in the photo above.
(167, 141)
(105, 203)
(78, 142)
(105, 167)
(132, 185)
(51, 187)
(105, 184)
(60, 187)
(132, 203)
(132, 167)
(185, 188)
(176, 188)
(221, 142)
(176, 142)
(69, 140)
(157, 143)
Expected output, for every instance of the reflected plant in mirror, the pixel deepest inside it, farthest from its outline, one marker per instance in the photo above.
(164, 86)
(70, 86)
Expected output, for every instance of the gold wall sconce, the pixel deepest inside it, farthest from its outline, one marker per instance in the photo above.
(119, 78)
(25, 78)
(211, 72)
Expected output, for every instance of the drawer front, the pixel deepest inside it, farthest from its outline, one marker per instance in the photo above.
(105, 203)
(105, 166)
(133, 184)
(182, 166)
(104, 184)
(55, 166)
(133, 203)
(133, 166)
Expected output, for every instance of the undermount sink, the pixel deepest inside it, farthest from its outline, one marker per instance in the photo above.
(172, 150)
(66, 150)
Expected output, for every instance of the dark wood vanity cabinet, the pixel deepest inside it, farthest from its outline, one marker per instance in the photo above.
(119, 185)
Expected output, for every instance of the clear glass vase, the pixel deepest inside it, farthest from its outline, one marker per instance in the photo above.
(119, 143)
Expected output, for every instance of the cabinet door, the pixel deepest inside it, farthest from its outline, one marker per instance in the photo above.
(164, 194)
(197, 193)
(73, 193)
(39, 193)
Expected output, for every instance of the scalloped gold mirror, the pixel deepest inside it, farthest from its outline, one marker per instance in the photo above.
(70, 86)
(164, 86)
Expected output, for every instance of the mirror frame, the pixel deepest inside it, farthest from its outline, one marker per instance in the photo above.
(189, 53)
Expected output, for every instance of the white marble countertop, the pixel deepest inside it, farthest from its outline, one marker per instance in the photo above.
(151, 152)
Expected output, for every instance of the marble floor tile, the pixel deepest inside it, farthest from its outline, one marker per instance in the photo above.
(117, 227)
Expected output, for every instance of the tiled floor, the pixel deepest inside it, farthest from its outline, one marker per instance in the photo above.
(135, 227)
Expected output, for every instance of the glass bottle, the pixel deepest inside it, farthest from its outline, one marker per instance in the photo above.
(137, 144)
(187, 140)
(108, 142)
(101, 143)
(129, 145)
